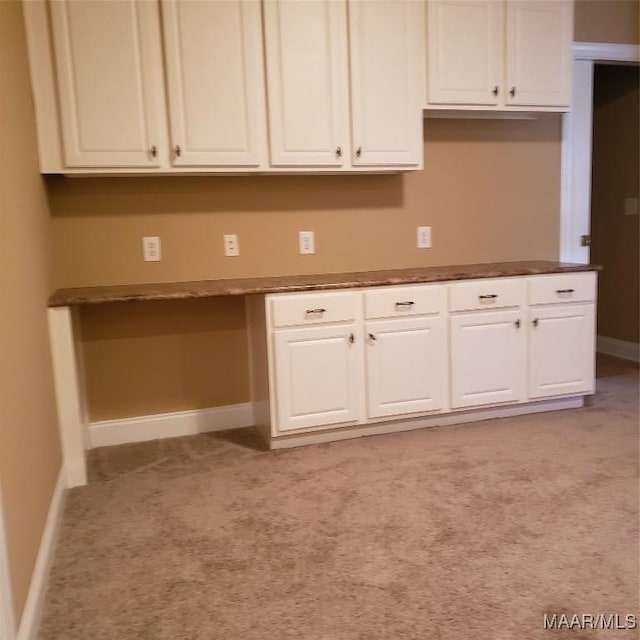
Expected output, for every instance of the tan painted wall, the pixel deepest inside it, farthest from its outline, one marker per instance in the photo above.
(29, 445)
(616, 176)
(490, 191)
(616, 21)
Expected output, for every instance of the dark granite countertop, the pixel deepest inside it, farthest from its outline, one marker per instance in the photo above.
(285, 284)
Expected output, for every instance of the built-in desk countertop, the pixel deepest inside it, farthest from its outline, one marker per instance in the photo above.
(314, 282)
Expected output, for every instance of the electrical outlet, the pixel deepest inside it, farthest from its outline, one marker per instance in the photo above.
(424, 237)
(307, 242)
(151, 250)
(631, 206)
(231, 246)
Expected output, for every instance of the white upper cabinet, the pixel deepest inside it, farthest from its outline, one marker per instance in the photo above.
(538, 64)
(499, 54)
(385, 52)
(108, 60)
(305, 45)
(215, 82)
(465, 51)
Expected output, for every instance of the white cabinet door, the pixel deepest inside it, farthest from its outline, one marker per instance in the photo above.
(215, 82)
(487, 358)
(317, 376)
(385, 53)
(109, 72)
(406, 365)
(307, 88)
(539, 58)
(561, 350)
(464, 51)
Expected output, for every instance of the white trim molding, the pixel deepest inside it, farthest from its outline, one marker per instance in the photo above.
(606, 52)
(7, 621)
(35, 598)
(618, 348)
(575, 205)
(106, 433)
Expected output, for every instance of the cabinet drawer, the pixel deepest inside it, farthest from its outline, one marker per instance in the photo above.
(315, 308)
(487, 294)
(573, 287)
(393, 302)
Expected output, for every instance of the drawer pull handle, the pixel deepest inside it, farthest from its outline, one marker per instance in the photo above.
(372, 337)
(517, 323)
(314, 312)
(535, 322)
(352, 338)
(488, 296)
(405, 304)
(565, 291)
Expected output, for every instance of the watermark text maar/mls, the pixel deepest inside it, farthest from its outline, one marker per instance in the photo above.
(589, 621)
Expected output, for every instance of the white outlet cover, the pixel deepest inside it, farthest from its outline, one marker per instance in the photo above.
(424, 237)
(231, 245)
(151, 249)
(306, 240)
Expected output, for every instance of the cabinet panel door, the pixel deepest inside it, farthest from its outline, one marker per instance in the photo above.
(215, 82)
(561, 350)
(317, 376)
(306, 59)
(487, 358)
(539, 58)
(386, 104)
(406, 365)
(464, 51)
(109, 70)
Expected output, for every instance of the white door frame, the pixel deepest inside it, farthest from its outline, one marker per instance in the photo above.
(575, 192)
(7, 622)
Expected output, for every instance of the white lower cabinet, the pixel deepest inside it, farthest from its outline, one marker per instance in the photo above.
(348, 358)
(318, 376)
(487, 358)
(406, 365)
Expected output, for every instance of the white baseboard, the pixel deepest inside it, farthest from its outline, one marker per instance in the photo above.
(35, 598)
(436, 420)
(618, 348)
(106, 433)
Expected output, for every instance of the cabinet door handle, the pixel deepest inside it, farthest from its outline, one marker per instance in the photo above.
(488, 296)
(358, 152)
(495, 90)
(561, 291)
(315, 312)
(153, 151)
(405, 304)
(338, 152)
(177, 150)
(517, 323)
(535, 322)
(372, 337)
(352, 338)
(512, 92)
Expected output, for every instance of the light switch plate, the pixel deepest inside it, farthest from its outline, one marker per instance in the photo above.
(631, 206)
(151, 249)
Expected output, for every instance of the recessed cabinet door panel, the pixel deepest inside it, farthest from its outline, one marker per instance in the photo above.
(306, 59)
(464, 51)
(487, 358)
(561, 350)
(385, 79)
(317, 376)
(539, 58)
(215, 82)
(406, 365)
(109, 71)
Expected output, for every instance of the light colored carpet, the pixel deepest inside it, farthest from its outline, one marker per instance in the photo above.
(459, 533)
